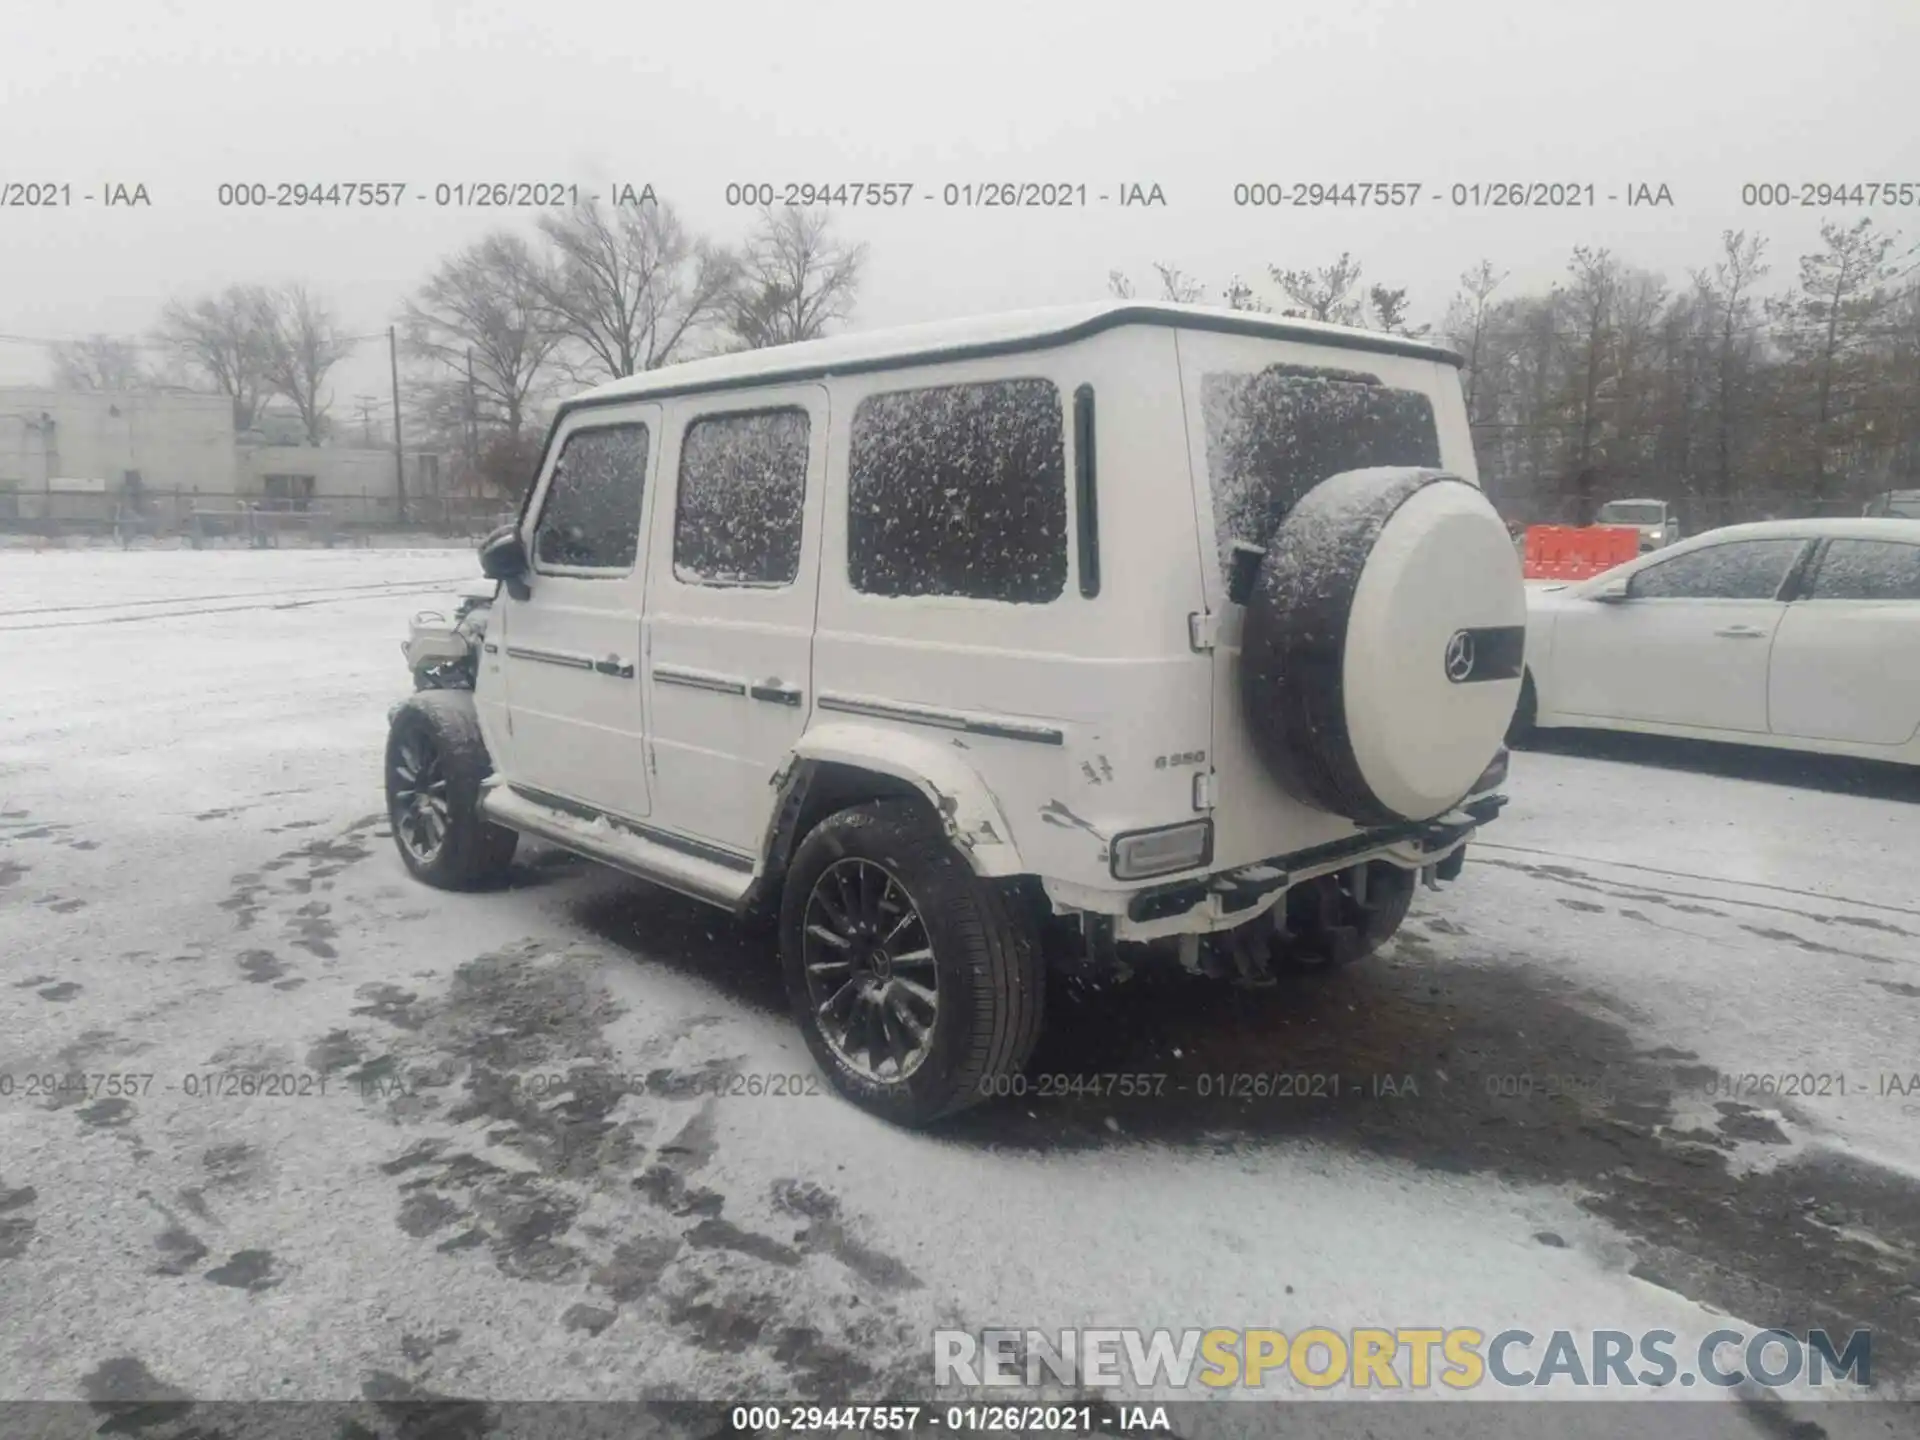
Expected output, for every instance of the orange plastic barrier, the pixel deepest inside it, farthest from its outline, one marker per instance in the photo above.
(1577, 552)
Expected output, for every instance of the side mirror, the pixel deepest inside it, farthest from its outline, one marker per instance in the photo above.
(502, 554)
(1613, 592)
(503, 557)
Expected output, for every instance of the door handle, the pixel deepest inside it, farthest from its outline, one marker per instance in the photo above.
(775, 692)
(613, 665)
(1742, 632)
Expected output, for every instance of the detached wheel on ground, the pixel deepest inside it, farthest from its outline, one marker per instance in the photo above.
(436, 761)
(1338, 919)
(917, 984)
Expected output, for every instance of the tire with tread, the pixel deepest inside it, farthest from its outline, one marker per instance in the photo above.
(987, 960)
(476, 853)
(1526, 713)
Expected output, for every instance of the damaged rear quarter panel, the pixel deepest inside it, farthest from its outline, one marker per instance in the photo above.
(940, 770)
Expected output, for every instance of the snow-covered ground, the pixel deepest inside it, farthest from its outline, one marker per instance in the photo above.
(495, 1171)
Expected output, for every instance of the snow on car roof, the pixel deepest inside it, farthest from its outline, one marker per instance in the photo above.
(1839, 527)
(987, 334)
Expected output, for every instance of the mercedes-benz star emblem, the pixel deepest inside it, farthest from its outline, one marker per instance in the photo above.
(1459, 656)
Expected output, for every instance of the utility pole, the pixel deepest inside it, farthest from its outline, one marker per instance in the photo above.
(473, 418)
(399, 460)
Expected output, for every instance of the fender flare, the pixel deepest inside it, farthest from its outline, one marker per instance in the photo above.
(973, 819)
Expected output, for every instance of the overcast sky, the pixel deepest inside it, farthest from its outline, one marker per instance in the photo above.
(1195, 96)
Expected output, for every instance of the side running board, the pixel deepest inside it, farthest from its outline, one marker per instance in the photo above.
(621, 847)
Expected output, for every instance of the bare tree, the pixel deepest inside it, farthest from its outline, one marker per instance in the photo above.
(1177, 286)
(1726, 292)
(1390, 312)
(1589, 300)
(1465, 325)
(629, 287)
(1321, 294)
(220, 338)
(100, 362)
(1239, 296)
(303, 342)
(1824, 323)
(795, 279)
(480, 323)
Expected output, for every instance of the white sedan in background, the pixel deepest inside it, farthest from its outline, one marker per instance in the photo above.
(1801, 634)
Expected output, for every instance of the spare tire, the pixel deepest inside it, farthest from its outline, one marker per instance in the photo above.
(1381, 654)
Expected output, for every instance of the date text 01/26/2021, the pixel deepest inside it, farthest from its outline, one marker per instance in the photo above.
(953, 195)
(964, 1419)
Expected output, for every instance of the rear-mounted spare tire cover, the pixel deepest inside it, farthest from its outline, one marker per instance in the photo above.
(1381, 653)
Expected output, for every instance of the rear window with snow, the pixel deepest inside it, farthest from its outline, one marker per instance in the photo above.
(591, 515)
(1275, 434)
(743, 491)
(960, 490)
(1867, 570)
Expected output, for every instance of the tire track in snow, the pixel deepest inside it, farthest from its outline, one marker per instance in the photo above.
(400, 589)
(1706, 880)
(227, 595)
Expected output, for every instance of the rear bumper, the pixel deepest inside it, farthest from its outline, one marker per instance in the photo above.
(1230, 898)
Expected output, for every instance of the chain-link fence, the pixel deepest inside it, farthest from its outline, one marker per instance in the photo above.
(201, 517)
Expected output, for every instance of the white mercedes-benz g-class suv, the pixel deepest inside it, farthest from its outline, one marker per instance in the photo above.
(1123, 622)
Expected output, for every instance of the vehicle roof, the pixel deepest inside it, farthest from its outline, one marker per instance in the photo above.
(983, 335)
(1839, 527)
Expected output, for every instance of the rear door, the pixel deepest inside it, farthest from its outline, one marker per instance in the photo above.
(570, 649)
(730, 612)
(1689, 644)
(1267, 420)
(1846, 661)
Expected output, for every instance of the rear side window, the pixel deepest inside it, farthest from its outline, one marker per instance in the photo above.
(959, 490)
(743, 492)
(1743, 570)
(591, 515)
(1867, 570)
(1274, 435)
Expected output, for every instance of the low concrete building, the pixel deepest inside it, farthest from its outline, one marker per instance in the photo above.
(61, 450)
(356, 485)
(92, 459)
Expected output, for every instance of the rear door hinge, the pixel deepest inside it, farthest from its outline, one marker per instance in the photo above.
(1203, 791)
(1202, 625)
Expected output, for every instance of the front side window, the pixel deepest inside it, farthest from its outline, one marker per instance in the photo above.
(591, 516)
(743, 492)
(1743, 570)
(960, 491)
(1274, 435)
(1867, 570)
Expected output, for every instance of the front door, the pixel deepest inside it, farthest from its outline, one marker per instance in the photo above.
(1688, 646)
(570, 647)
(730, 606)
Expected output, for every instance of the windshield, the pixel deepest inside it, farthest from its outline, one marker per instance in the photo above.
(1626, 512)
(1905, 503)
